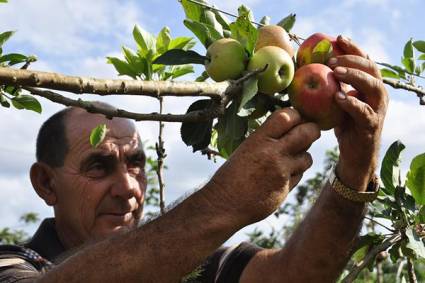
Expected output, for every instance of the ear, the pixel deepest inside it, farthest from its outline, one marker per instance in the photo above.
(42, 180)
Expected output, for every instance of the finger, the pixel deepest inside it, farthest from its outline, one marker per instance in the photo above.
(280, 122)
(300, 163)
(360, 112)
(370, 87)
(356, 62)
(348, 47)
(300, 138)
(294, 180)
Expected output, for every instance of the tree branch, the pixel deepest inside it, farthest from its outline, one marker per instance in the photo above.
(79, 85)
(400, 85)
(411, 271)
(369, 257)
(194, 116)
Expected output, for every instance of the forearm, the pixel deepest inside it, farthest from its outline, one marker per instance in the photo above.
(161, 251)
(320, 247)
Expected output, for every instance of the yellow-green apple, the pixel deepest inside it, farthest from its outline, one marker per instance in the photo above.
(305, 51)
(279, 72)
(273, 35)
(226, 59)
(312, 93)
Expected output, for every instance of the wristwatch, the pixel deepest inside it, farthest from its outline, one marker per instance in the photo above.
(348, 193)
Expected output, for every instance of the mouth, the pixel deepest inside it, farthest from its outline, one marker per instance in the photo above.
(123, 218)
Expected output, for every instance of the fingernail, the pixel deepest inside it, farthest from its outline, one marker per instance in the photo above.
(345, 39)
(332, 61)
(340, 70)
(341, 95)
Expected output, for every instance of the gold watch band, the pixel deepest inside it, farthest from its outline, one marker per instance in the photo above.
(353, 195)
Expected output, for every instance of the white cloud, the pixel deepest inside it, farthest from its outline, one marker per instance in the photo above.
(68, 27)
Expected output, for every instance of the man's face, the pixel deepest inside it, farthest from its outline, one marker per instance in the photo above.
(99, 190)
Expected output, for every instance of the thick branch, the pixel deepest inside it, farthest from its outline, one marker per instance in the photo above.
(81, 85)
(194, 116)
(369, 257)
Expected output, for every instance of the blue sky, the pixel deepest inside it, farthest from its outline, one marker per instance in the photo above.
(74, 37)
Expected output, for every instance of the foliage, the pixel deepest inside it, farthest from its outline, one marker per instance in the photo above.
(9, 236)
(11, 95)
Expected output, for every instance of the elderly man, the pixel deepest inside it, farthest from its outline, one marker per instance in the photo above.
(97, 195)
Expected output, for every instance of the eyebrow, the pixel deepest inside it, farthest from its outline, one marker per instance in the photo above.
(138, 154)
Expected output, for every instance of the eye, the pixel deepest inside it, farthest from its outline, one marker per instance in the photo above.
(136, 166)
(97, 170)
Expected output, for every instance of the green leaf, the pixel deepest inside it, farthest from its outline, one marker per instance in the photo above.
(203, 77)
(122, 67)
(225, 23)
(409, 64)
(163, 40)
(231, 131)
(419, 45)
(395, 252)
(184, 43)
(422, 57)
(364, 244)
(97, 135)
(144, 40)
(408, 49)
(26, 102)
(13, 58)
(3, 1)
(265, 20)
(180, 57)
(209, 19)
(180, 71)
(5, 36)
(387, 73)
(399, 70)
(288, 22)
(249, 90)
(192, 10)
(416, 178)
(420, 217)
(415, 242)
(197, 135)
(390, 167)
(205, 33)
(245, 32)
(136, 65)
(322, 51)
(3, 101)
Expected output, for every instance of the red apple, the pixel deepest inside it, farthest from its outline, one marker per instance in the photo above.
(305, 51)
(312, 93)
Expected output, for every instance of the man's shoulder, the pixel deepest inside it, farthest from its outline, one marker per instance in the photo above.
(20, 264)
(225, 265)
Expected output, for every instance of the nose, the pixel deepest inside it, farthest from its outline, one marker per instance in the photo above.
(126, 186)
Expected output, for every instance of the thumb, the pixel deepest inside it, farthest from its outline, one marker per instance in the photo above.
(359, 111)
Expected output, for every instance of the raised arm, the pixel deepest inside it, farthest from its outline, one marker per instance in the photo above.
(320, 247)
(247, 188)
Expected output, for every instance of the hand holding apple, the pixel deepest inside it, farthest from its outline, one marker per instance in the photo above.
(359, 135)
(312, 94)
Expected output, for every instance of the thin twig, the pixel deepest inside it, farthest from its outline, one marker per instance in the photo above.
(411, 271)
(380, 224)
(293, 37)
(160, 151)
(369, 257)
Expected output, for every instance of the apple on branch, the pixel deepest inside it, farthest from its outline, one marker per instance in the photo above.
(279, 72)
(227, 60)
(305, 53)
(274, 35)
(312, 93)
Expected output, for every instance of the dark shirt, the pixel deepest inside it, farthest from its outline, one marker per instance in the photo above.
(25, 263)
